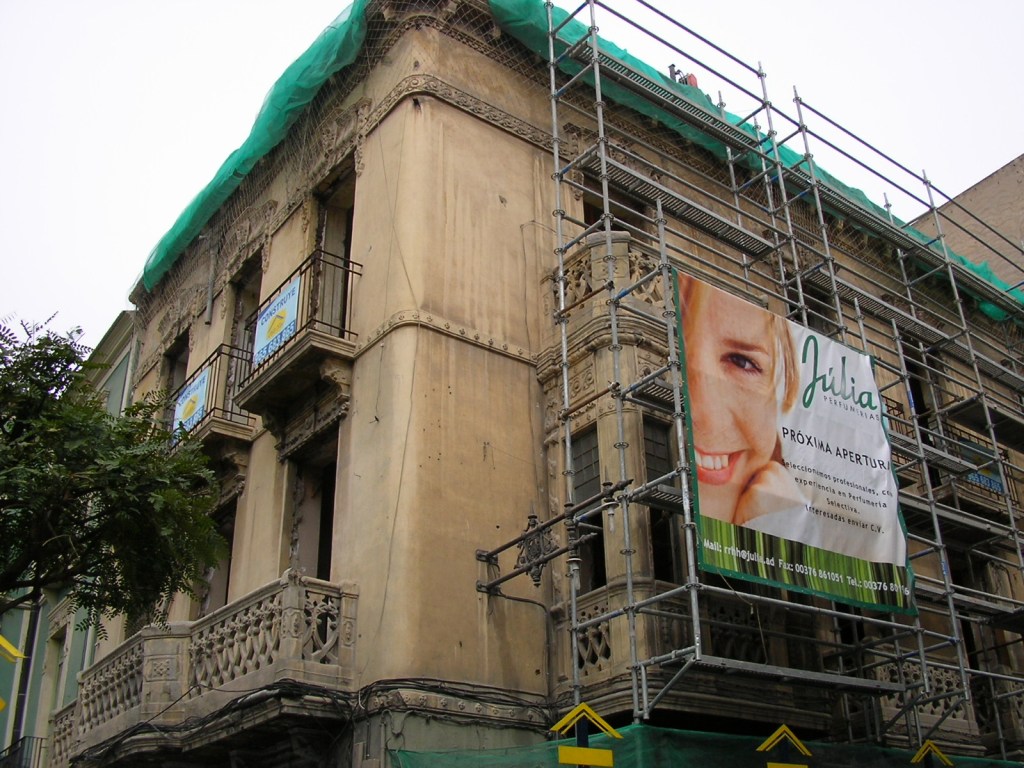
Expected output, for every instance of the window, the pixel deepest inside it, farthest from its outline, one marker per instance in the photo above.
(921, 389)
(176, 364)
(586, 482)
(334, 242)
(218, 578)
(629, 213)
(114, 386)
(334, 231)
(247, 285)
(821, 311)
(658, 458)
(313, 512)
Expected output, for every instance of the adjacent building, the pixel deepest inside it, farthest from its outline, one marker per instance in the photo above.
(48, 630)
(985, 222)
(432, 324)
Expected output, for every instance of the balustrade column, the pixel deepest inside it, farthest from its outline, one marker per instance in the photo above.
(165, 678)
(293, 618)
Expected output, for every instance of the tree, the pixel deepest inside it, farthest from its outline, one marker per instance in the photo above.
(109, 508)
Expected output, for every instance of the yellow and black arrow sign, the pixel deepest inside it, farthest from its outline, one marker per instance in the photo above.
(581, 717)
(784, 734)
(929, 748)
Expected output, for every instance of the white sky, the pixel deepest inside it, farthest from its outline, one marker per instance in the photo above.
(117, 112)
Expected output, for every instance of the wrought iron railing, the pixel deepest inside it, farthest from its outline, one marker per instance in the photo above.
(209, 393)
(26, 752)
(987, 480)
(317, 296)
(963, 446)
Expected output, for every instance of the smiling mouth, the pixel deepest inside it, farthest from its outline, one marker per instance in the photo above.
(712, 461)
(714, 468)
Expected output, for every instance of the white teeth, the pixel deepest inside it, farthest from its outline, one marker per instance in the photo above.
(712, 461)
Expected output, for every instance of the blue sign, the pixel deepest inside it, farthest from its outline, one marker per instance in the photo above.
(190, 407)
(277, 323)
(987, 475)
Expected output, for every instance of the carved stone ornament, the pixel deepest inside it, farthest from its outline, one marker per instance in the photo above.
(160, 668)
(292, 622)
(362, 127)
(338, 373)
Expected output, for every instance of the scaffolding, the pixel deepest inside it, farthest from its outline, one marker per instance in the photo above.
(650, 180)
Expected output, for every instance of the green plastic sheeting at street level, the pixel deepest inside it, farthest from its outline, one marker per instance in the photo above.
(643, 746)
(526, 20)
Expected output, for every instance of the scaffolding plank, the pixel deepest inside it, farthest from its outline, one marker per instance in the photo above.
(1007, 423)
(690, 112)
(806, 677)
(663, 497)
(971, 604)
(904, 446)
(718, 128)
(956, 348)
(959, 521)
(874, 305)
(679, 207)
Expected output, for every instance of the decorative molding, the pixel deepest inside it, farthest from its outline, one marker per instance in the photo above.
(431, 321)
(318, 415)
(61, 616)
(463, 708)
(429, 85)
(232, 463)
(362, 123)
(249, 231)
(160, 668)
(534, 548)
(338, 373)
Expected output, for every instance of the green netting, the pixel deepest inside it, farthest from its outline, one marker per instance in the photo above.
(526, 20)
(335, 48)
(643, 746)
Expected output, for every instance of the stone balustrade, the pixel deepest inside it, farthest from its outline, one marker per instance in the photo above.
(296, 628)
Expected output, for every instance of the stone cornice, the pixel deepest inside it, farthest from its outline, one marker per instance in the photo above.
(433, 322)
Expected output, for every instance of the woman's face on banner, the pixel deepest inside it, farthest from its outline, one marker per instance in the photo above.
(730, 364)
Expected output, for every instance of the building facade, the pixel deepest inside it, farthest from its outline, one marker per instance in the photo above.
(453, 429)
(985, 222)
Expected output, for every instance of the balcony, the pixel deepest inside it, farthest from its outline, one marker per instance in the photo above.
(166, 677)
(205, 404)
(739, 645)
(982, 491)
(26, 752)
(299, 335)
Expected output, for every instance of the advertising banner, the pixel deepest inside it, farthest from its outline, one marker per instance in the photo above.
(277, 323)
(794, 482)
(190, 407)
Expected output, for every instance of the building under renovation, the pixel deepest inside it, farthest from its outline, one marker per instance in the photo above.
(535, 377)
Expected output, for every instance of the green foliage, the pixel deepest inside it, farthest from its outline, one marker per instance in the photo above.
(104, 506)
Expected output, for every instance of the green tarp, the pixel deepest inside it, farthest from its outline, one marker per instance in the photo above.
(526, 20)
(643, 746)
(335, 48)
